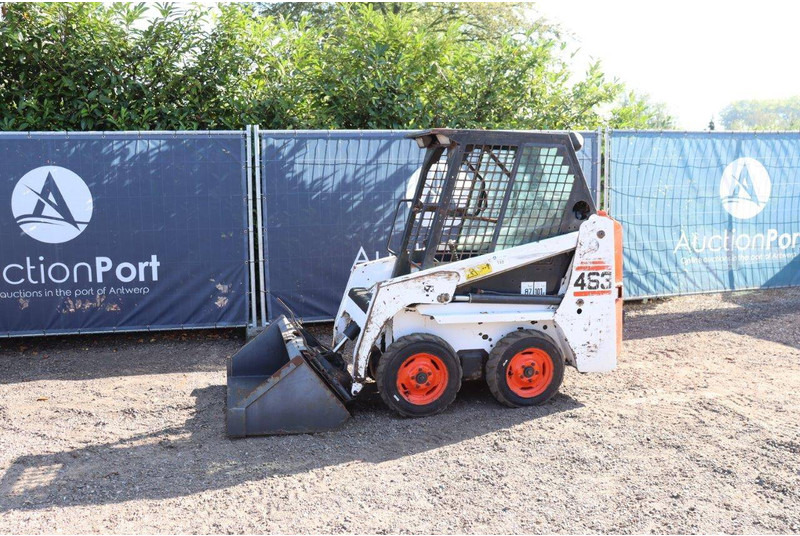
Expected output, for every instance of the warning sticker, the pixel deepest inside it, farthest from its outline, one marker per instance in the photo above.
(478, 271)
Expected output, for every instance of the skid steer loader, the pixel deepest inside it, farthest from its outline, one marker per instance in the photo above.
(505, 272)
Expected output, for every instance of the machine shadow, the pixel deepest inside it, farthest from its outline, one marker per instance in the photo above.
(197, 457)
(754, 310)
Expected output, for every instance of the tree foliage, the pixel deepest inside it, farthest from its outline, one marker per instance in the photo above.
(479, 21)
(636, 111)
(776, 114)
(88, 66)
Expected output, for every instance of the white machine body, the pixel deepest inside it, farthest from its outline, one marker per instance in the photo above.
(586, 324)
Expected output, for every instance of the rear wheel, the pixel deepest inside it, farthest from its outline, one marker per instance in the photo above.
(524, 369)
(418, 375)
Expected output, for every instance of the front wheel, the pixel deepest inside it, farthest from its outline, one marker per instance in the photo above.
(524, 369)
(419, 375)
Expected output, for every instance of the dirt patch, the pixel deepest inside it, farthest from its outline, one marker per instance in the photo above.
(697, 431)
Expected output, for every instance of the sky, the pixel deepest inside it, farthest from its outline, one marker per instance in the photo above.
(694, 56)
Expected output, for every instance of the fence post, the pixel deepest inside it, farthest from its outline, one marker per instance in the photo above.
(262, 256)
(598, 167)
(606, 182)
(250, 241)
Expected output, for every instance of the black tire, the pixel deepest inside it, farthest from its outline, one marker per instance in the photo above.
(497, 370)
(396, 356)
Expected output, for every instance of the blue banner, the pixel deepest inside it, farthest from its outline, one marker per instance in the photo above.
(706, 211)
(329, 200)
(122, 231)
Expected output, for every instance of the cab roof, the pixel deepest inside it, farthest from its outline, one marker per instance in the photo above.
(446, 136)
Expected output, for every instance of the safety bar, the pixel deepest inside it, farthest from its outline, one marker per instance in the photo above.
(394, 220)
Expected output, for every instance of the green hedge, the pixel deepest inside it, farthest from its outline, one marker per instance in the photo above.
(129, 66)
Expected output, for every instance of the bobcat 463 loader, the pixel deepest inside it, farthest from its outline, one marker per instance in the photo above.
(505, 272)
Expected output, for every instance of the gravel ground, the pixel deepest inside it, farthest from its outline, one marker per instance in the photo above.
(697, 431)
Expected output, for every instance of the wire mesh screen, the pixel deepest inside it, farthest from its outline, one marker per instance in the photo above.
(706, 211)
(476, 201)
(432, 190)
(542, 187)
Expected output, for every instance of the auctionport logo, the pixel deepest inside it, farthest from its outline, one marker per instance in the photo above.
(745, 188)
(52, 204)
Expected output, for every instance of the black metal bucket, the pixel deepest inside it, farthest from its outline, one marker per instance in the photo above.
(281, 382)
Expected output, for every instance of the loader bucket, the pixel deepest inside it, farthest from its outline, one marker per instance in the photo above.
(285, 382)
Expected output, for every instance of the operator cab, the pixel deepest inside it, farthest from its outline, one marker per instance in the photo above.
(483, 191)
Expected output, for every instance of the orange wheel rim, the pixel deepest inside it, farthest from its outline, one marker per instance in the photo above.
(529, 372)
(422, 378)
